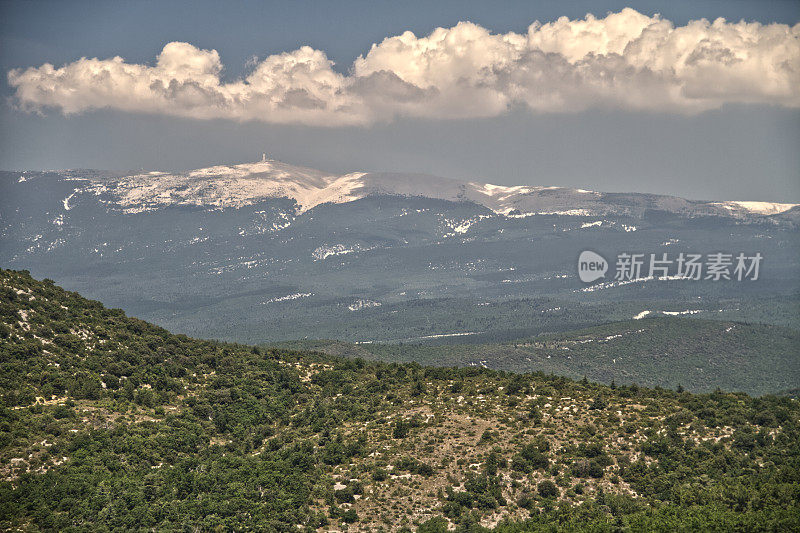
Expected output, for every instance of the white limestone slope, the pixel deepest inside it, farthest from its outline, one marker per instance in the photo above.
(760, 208)
(233, 186)
(226, 186)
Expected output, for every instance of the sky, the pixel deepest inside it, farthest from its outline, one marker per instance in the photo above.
(637, 96)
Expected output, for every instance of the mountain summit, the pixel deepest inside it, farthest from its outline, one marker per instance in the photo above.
(225, 186)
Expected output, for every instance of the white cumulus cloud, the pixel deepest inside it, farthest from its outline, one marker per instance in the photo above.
(626, 60)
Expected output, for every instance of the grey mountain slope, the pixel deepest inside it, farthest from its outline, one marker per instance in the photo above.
(266, 251)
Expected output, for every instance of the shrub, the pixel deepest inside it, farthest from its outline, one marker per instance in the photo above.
(350, 516)
(400, 430)
(434, 525)
(547, 489)
(379, 474)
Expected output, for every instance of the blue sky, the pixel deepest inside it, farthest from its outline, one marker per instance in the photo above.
(733, 150)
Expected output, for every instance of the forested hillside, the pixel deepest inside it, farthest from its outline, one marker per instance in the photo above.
(110, 423)
(696, 354)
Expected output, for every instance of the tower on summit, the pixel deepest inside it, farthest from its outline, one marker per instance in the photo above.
(264, 157)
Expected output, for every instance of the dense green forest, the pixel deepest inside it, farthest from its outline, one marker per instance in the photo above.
(700, 355)
(110, 423)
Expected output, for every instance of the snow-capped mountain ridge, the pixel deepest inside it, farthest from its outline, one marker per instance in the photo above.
(233, 186)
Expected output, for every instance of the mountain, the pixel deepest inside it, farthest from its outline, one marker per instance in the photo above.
(235, 186)
(108, 422)
(267, 251)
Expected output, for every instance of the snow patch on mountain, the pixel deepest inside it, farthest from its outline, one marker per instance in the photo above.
(321, 252)
(360, 304)
(66, 200)
(462, 226)
(287, 298)
(761, 208)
